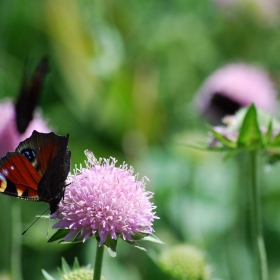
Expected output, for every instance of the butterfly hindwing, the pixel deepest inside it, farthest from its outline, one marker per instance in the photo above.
(18, 178)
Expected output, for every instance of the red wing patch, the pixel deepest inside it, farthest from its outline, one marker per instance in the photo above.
(18, 177)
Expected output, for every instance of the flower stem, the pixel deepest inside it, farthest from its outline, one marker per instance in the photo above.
(16, 241)
(98, 262)
(256, 219)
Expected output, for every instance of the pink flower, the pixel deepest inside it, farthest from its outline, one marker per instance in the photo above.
(104, 200)
(9, 135)
(267, 10)
(235, 86)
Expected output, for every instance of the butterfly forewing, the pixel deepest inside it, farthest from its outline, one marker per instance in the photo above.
(45, 147)
(55, 176)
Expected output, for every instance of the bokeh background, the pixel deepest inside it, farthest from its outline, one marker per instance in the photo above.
(123, 79)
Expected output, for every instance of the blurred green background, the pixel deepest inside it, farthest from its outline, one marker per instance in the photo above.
(123, 78)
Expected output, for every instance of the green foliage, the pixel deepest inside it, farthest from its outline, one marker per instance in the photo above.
(110, 243)
(74, 273)
(250, 136)
(254, 132)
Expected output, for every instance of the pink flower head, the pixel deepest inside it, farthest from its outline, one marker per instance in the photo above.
(9, 135)
(267, 10)
(235, 86)
(104, 200)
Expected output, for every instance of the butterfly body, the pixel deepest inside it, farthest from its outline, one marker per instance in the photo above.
(37, 170)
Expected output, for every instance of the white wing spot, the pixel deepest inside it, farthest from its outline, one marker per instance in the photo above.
(2, 177)
(6, 172)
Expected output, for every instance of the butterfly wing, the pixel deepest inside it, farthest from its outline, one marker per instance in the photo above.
(29, 95)
(18, 177)
(41, 149)
(52, 185)
(52, 162)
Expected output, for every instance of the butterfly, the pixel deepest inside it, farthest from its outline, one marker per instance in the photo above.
(37, 170)
(29, 95)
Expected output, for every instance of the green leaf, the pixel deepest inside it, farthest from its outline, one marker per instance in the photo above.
(250, 135)
(232, 153)
(207, 148)
(152, 238)
(221, 138)
(268, 135)
(111, 246)
(276, 140)
(47, 275)
(59, 235)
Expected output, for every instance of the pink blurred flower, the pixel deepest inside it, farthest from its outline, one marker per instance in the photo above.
(235, 86)
(267, 11)
(104, 200)
(9, 135)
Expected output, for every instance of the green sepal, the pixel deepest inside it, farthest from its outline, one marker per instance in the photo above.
(65, 268)
(143, 237)
(250, 135)
(232, 153)
(268, 135)
(152, 238)
(146, 237)
(136, 245)
(111, 246)
(221, 138)
(76, 264)
(47, 275)
(208, 149)
(276, 140)
(139, 236)
(60, 234)
(71, 242)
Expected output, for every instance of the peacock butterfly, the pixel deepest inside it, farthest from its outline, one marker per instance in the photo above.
(29, 95)
(37, 170)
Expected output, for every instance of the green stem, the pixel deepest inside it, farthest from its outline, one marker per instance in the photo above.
(98, 262)
(256, 219)
(16, 241)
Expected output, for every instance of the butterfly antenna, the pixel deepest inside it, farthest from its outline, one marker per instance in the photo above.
(48, 227)
(35, 221)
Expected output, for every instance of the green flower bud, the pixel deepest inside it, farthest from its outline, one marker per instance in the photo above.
(184, 262)
(78, 274)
